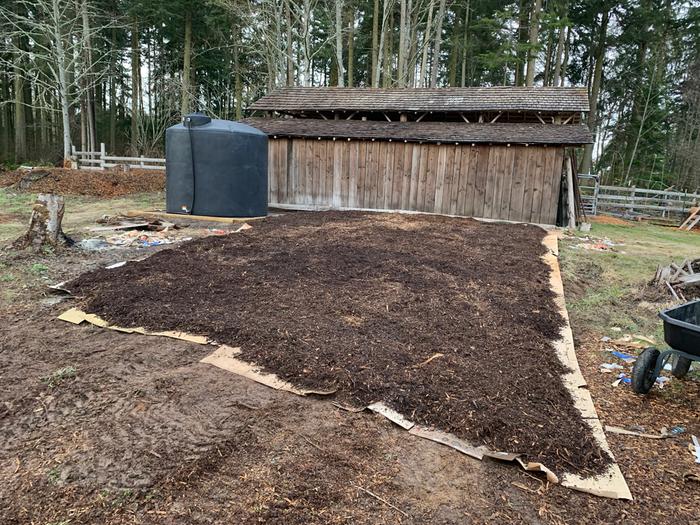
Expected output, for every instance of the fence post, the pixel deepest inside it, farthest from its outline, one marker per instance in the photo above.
(73, 157)
(632, 195)
(103, 153)
(142, 164)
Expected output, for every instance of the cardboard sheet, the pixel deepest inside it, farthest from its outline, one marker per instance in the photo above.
(77, 316)
(225, 357)
(610, 484)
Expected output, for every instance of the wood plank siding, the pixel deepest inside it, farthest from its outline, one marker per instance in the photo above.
(517, 183)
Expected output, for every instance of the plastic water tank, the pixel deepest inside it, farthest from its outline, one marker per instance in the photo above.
(215, 167)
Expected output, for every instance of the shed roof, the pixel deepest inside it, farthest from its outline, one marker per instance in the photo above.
(502, 98)
(499, 133)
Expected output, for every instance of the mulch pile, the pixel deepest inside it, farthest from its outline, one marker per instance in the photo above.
(449, 321)
(106, 183)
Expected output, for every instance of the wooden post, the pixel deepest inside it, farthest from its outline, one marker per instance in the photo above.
(103, 154)
(632, 195)
(571, 205)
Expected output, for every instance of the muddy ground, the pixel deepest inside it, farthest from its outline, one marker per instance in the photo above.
(141, 432)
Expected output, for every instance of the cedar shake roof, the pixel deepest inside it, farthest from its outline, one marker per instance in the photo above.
(441, 100)
(499, 133)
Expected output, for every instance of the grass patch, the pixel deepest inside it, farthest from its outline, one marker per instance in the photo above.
(38, 268)
(606, 289)
(54, 476)
(60, 375)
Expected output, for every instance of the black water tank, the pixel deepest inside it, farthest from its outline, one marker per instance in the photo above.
(215, 167)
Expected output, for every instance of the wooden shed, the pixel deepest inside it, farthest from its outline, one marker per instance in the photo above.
(478, 152)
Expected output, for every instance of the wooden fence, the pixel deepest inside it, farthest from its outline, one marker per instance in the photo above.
(634, 202)
(99, 160)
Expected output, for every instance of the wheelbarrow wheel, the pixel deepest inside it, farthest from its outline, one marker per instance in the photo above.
(681, 367)
(643, 372)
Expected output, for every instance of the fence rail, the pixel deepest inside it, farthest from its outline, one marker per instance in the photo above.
(99, 160)
(634, 202)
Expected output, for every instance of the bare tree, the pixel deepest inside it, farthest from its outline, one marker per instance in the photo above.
(54, 58)
(339, 42)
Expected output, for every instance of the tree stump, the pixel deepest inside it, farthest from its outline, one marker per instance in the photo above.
(45, 225)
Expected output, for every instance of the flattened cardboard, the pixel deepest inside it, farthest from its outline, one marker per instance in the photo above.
(224, 357)
(610, 484)
(391, 414)
(76, 316)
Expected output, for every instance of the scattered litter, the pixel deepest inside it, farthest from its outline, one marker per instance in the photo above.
(115, 265)
(625, 357)
(216, 231)
(598, 245)
(635, 430)
(605, 339)
(695, 448)
(59, 288)
(610, 367)
(674, 431)
(50, 301)
(662, 380)
(93, 244)
(622, 378)
(616, 329)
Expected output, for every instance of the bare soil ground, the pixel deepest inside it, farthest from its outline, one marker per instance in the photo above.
(141, 432)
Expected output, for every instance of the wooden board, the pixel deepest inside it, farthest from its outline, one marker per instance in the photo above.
(183, 216)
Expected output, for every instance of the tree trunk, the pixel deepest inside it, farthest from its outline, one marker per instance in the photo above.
(186, 65)
(454, 53)
(351, 47)
(465, 43)
(565, 61)
(64, 90)
(382, 44)
(375, 44)
(87, 79)
(20, 120)
(533, 42)
(403, 44)
(388, 50)
(238, 78)
(548, 58)
(560, 46)
(5, 118)
(594, 94)
(135, 87)
(423, 75)
(339, 42)
(289, 43)
(436, 46)
(521, 55)
(45, 225)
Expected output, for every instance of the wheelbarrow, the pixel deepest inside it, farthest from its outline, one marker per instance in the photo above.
(682, 334)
